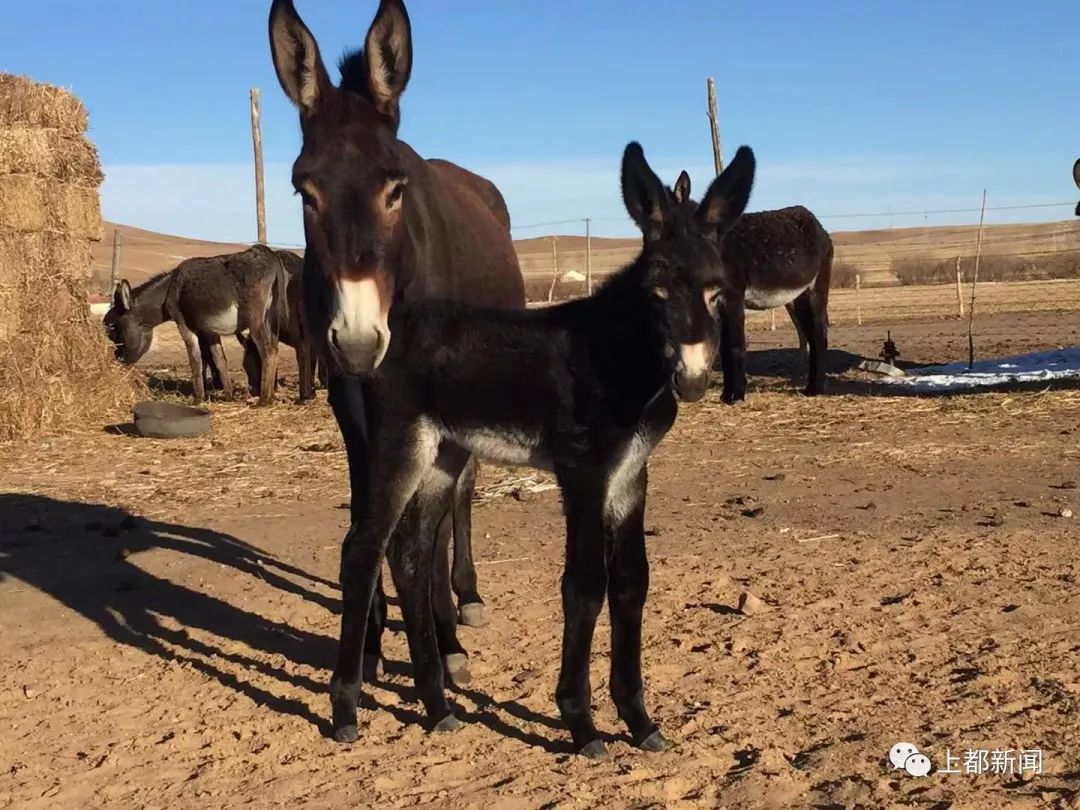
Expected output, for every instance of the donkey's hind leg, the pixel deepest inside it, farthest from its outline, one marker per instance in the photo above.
(400, 460)
(194, 352)
(266, 342)
(470, 605)
(219, 366)
(804, 344)
(812, 317)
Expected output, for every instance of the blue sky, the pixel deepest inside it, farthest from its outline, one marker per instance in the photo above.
(850, 106)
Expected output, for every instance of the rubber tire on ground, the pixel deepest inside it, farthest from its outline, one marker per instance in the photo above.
(165, 420)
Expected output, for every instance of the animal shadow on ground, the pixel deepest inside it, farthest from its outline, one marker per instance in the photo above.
(85, 557)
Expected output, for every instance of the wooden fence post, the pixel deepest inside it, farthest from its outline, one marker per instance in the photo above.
(554, 268)
(714, 127)
(772, 320)
(975, 281)
(117, 246)
(256, 138)
(588, 256)
(858, 299)
(959, 291)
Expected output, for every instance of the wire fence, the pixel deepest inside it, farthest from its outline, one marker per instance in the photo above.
(900, 272)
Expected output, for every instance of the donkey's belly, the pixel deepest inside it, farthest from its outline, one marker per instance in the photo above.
(226, 322)
(503, 446)
(773, 298)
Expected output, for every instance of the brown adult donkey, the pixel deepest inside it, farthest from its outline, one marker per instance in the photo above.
(383, 224)
(207, 298)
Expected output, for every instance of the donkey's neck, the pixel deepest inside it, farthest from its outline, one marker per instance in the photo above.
(148, 301)
(629, 337)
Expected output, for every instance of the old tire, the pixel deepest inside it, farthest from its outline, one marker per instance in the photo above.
(165, 420)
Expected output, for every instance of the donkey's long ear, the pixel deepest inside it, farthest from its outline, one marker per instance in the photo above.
(681, 192)
(122, 295)
(645, 197)
(726, 198)
(388, 56)
(299, 66)
(1076, 173)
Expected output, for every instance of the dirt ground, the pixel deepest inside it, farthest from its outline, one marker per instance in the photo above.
(168, 613)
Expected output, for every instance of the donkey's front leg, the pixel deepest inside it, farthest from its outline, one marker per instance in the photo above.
(361, 559)
(733, 350)
(583, 585)
(470, 605)
(347, 401)
(455, 659)
(628, 587)
(412, 559)
(399, 459)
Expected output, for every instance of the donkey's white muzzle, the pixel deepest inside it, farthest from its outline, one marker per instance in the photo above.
(359, 335)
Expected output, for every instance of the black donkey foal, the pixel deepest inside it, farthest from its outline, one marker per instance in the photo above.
(586, 389)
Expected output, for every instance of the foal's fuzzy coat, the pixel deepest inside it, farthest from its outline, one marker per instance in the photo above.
(586, 389)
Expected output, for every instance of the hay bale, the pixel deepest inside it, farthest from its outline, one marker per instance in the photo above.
(32, 204)
(24, 102)
(56, 365)
(48, 153)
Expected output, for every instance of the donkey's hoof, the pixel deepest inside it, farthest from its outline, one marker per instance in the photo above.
(372, 668)
(472, 615)
(655, 742)
(596, 751)
(457, 667)
(346, 734)
(448, 723)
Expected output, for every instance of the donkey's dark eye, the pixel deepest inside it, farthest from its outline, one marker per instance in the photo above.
(308, 199)
(395, 194)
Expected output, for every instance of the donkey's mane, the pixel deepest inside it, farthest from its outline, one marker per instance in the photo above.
(151, 282)
(354, 74)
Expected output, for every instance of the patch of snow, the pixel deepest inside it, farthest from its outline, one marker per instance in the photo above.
(1057, 364)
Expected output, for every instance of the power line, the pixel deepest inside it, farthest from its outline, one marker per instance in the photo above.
(947, 210)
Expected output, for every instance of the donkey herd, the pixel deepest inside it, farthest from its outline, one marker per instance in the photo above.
(410, 302)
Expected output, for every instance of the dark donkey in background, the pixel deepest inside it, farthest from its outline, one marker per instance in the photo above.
(384, 226)
(292, 332)
(1076, 179)
(771, 259)
(207, 298)
(586, 389)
